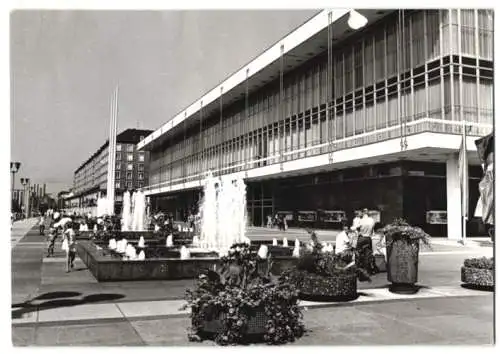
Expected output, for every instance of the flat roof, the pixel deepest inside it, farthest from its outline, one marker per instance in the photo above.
(302, 44)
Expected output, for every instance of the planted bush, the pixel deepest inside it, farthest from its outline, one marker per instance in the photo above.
(478, 272)
(240, 301)
(324, 275)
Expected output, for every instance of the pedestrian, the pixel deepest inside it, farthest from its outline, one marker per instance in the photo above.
(42, 225)
(364, 244)
(51, 240)
(269, 222)
(285, 224)
(356, 220)
(69, 245)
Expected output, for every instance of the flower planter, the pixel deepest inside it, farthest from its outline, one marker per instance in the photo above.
(402, 266)
(256, 324)
(478, 276)
(322, 288)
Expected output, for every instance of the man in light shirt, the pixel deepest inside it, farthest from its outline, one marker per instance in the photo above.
(356, 221)
(366, 224)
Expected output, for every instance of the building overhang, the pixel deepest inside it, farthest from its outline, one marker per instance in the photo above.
(426, 147)
(304, 43)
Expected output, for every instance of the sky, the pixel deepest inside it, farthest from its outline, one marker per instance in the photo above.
(65, 65)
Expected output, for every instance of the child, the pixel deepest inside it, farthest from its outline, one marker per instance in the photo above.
(51, 240)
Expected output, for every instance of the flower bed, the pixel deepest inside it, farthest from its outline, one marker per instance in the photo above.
(315, 287)
(322, 275)
(242, 303)
(478, 272)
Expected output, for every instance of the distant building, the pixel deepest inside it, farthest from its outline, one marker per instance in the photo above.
(131, 171)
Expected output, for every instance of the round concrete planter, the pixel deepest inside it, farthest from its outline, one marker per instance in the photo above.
(256, 324)
(332, 288)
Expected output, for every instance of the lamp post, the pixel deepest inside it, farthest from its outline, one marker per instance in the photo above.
(14, 168)
(25, 182)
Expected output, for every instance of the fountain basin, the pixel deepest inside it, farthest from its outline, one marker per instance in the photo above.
(106, 266)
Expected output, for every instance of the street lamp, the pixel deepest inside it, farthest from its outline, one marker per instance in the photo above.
(356, 20)
(25, 182)
(14, 168)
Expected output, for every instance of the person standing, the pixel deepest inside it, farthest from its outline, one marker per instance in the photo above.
(364, 245)
(42, 225)
(69, 245)
(356, 221)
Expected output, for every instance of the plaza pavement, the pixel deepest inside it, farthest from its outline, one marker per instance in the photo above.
(51, 307)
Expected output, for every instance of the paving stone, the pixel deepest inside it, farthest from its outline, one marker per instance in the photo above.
(80, 312)
(103, 334)
(23, 336)
(171, 330)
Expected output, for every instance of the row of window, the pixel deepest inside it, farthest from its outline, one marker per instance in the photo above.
(129, 184)
(125, 147)
(129, 167)
(140, 175)
(130, 156)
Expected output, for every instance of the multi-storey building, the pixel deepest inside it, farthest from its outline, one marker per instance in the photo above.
(131, 171)
(331, 118)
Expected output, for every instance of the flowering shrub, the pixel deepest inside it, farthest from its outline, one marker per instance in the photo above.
(481, 263)
(399, 229)
(237, 295)
(329, 264)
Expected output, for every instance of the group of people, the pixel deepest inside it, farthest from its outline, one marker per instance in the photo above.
(358, 237)
(277, 221)
(63, 230)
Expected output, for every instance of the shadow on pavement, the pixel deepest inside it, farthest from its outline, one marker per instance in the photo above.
(478, 287)
(56, 301)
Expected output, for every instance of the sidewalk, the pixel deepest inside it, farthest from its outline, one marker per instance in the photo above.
(424, 320)
(64, 307)
(20, 229)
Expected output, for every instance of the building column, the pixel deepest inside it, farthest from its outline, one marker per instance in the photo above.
(453, 198)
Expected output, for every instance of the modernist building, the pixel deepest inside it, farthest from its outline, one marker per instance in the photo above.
(335, 119)
(131, 171)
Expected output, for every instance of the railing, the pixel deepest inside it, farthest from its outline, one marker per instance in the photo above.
(418, 126)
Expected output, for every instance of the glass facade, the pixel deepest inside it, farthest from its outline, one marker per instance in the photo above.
(425, 71)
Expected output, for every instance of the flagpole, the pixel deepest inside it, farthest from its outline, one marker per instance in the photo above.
(464, 183)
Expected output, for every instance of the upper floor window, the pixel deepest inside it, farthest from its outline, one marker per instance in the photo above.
(117, 174)
(117, 184)
(129, 185)
(141, 137)
(118, 147)
(141, 157)
(129, 175)
(118, 156)
(130, 157)
(141, 167)
(118, 165)
(130, 167)
(140, 175)
(130, 148)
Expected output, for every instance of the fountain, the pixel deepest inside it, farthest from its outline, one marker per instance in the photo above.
(141, 242)
(126, 214)
(222, 223)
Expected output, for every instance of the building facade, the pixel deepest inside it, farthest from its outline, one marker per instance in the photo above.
(131, 171)
(335, 119)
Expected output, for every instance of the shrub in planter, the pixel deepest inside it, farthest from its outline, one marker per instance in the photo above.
(403, 245)
(478, 272)
(240, 303)
(327, 276)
